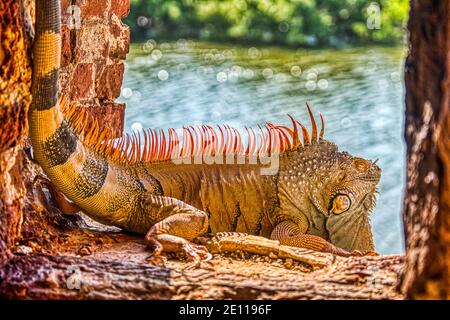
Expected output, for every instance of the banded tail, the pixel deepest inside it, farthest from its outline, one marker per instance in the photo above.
(83, 176)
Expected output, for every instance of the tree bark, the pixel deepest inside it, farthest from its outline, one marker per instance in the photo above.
(427, 130)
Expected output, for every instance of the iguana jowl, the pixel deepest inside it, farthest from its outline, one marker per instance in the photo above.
(319, 198)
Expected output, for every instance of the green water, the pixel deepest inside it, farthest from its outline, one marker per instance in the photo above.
(358, 90)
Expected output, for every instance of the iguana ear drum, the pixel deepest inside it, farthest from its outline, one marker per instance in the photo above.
(339, 204)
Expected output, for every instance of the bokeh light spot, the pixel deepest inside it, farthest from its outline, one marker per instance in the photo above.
(163, 75)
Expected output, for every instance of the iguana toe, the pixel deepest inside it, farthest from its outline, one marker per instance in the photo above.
(356, 253)
(196, 254)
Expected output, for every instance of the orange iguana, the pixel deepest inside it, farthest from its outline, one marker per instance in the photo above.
(209, 180)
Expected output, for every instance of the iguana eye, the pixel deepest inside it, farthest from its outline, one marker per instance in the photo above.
(340, 204)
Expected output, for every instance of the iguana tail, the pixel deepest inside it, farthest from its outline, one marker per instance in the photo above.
(83, 176)
(52, 143)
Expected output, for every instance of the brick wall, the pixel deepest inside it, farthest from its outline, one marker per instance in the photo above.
(94, 44)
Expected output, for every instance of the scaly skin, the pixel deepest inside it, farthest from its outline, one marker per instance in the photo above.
(319, 198)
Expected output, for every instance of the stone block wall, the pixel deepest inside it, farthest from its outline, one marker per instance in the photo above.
(94, 45)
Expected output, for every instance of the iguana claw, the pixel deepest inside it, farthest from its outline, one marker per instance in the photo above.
(196, 254)
(356, 253)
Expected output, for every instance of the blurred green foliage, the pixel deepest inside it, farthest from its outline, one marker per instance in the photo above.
(288, 22)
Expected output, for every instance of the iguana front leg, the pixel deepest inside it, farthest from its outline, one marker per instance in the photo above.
(290, 234)
(180, 224)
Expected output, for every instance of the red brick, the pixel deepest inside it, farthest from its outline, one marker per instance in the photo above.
(109, 115)
(92, 8)
(120, 39)
(66, 52)
(109, 81)
(82, 83)
(92, 42)
(120, 8)
(65, 76)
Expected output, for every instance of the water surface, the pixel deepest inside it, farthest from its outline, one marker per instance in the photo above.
(358, 90)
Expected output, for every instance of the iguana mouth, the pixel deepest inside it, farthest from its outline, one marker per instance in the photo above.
(369, 179)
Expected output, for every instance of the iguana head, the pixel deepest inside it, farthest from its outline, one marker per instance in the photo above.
(334, 190)
(347, 197)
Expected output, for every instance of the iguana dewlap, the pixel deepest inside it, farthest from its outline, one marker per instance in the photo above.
(174, 189)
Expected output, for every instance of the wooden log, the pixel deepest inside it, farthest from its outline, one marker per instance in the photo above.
(42, 276)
